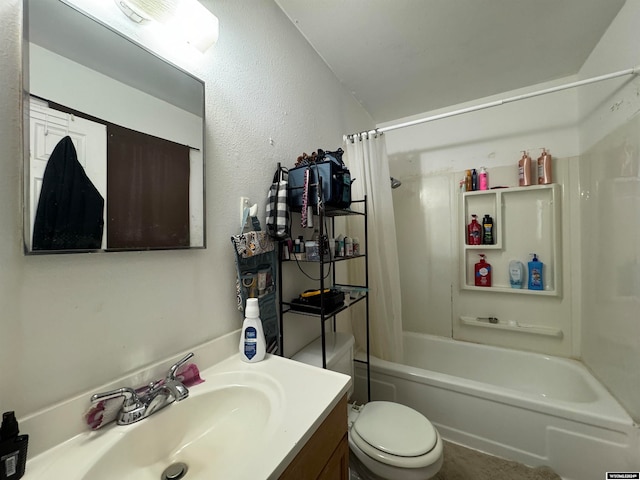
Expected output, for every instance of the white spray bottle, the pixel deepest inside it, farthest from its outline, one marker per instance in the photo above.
(253, 346)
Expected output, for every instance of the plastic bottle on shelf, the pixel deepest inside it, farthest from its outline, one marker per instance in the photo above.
(487, 230)
(474, 180)
(544, 168)
(468, 185)
(484, 179)
(516, 274)
(524, 170)
(356, 246)
(348, 247)
(474, 232)
(482, 272)
(253, 345)
(536, 281)
(339, 246)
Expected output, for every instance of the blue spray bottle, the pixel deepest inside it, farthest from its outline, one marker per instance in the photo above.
(535, 274)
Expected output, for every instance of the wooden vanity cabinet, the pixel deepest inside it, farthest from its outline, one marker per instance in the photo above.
(326, 455)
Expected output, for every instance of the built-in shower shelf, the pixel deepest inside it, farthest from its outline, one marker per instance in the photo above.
(487, 322)
(527, 220)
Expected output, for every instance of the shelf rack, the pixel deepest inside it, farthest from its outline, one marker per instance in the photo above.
(321, 312)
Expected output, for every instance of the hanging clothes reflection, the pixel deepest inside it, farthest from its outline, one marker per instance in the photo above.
(70, 208)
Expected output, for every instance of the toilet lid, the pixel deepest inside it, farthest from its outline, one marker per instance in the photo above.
(395, 429)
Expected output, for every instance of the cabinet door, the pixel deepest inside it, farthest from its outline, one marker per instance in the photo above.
(337, 467)
(325, 450)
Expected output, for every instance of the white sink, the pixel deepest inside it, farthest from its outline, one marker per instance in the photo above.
(245, 421)
(210, 432)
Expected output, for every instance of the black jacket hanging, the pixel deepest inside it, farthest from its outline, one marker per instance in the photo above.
(70, 208)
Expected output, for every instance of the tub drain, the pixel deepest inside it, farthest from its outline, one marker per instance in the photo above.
(175, 471)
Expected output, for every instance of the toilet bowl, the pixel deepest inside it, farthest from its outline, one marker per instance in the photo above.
(389, 440)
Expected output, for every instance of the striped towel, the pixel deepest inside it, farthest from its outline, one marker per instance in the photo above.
(277, 209)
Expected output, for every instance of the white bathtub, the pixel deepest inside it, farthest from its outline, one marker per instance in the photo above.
(532, 408)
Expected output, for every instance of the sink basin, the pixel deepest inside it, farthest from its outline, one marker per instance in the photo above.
(210, 432)
(245, 422)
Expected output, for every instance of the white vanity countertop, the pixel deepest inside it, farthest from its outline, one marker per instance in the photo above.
(304, 397)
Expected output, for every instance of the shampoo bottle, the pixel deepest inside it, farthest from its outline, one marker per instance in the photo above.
(535, 274)
(253, 346)
(524, 170)
(474, 180)
(474, 232)
(544, 168)
(483, 273)
(468, 185)
(487, 230)
(484, 179)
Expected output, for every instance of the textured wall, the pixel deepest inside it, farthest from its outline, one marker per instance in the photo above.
(70, 323)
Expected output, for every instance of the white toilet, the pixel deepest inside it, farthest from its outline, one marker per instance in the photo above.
(390, 440)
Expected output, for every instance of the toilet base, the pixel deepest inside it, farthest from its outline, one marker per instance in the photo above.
(357, 471)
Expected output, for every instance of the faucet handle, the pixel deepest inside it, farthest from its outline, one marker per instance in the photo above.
(131, 400)
(171, 375)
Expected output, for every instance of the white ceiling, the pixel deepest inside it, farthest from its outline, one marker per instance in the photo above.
(405, 57)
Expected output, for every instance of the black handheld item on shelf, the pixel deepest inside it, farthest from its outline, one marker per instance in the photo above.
(309, 301)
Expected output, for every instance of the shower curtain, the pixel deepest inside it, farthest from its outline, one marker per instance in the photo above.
(366, 157)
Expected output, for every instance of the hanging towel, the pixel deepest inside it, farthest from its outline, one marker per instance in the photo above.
(277, 210)
(70, 208)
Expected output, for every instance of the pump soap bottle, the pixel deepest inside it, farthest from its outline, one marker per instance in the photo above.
(544, 168)
(524, 170)
(13, 448)
(482, 273)
(535, 274)
(253, 346)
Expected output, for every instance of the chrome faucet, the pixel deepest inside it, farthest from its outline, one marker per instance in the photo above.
(142, 403)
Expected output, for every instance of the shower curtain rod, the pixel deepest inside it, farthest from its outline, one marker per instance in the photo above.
(630, 71)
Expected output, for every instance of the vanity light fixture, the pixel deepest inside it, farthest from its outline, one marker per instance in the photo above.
(132, 14)
(186, 19)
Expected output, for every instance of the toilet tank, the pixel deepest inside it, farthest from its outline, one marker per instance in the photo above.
(339, 348)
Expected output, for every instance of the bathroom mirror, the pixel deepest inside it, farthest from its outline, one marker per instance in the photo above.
(132, 121)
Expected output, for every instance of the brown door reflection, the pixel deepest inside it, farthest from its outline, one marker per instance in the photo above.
(147, 191)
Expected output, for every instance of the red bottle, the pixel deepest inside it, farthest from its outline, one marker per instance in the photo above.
(474, 232)
(483, 273)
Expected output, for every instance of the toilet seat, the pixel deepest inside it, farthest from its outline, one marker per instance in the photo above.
(394, 434)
